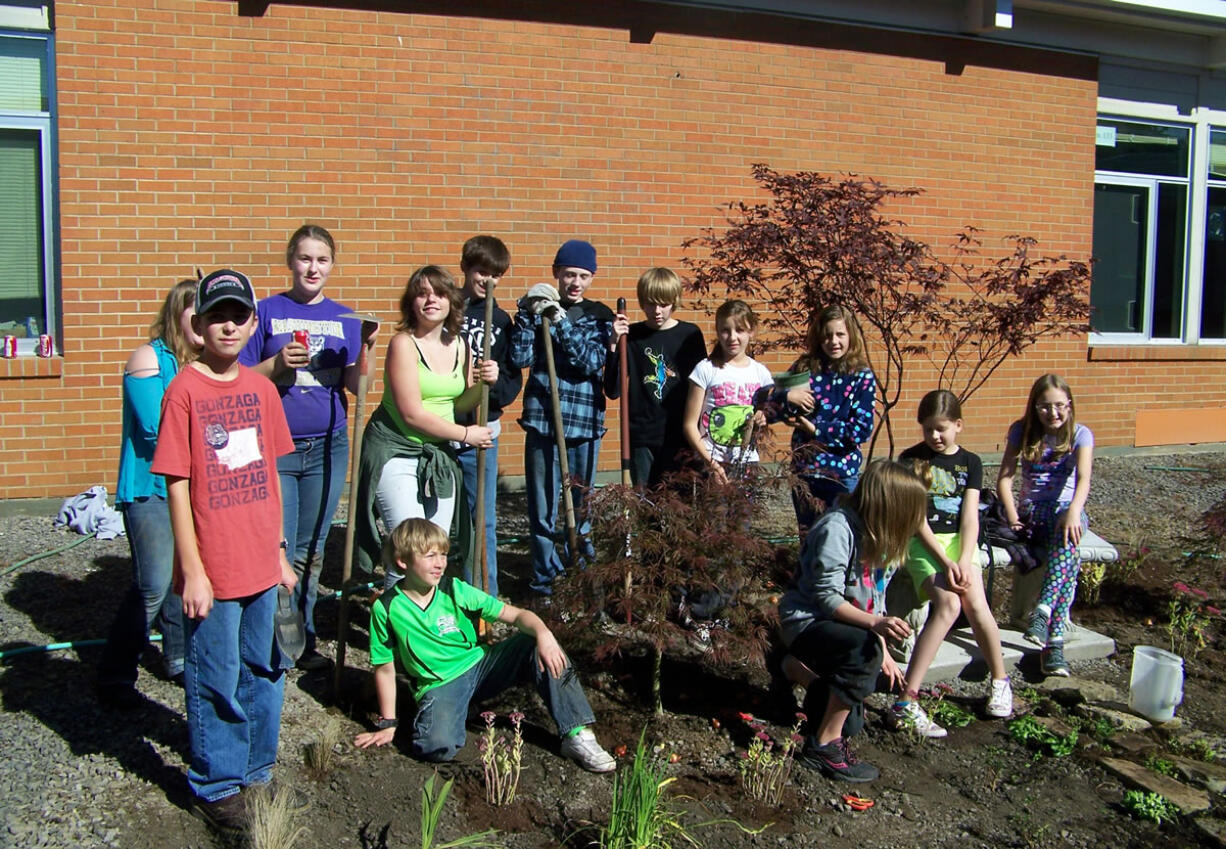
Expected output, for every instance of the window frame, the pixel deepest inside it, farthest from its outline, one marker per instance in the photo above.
(43, 123)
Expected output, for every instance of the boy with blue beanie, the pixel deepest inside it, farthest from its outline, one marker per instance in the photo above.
(579, 335)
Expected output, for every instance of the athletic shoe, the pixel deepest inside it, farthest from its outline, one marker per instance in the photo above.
(227, 816)
(1052, 660)
(911, 717)
(1040, 623)
(1000, 703)
(835, 760)
(583, 749)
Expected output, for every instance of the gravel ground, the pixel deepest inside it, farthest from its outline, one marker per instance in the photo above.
(74, 775)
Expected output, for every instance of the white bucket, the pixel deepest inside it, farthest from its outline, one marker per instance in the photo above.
(1157, 683)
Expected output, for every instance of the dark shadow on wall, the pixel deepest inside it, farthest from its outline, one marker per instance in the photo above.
(643, 20)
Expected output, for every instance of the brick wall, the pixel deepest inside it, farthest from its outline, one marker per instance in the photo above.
(192, 136)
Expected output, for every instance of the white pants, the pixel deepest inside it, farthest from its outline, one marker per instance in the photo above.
(396, 500)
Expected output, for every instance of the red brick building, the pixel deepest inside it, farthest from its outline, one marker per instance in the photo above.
(146, 138)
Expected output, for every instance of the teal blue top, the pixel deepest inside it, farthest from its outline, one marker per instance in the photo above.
(142, 410)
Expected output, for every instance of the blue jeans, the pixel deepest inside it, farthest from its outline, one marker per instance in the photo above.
(311, 482)
(149, 599)
(235, 683)
(544, 479)
(813, 496)
(438, 728)
(468, 465)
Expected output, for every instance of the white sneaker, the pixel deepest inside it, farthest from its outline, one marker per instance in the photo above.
(1000, 703)
(911, 717)
(583, 749)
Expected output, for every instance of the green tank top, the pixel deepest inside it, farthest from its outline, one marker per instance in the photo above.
(438, 394)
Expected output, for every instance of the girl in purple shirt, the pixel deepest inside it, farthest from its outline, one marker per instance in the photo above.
(1055, 454)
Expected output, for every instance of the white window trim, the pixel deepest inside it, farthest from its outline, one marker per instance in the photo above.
(1200, 120)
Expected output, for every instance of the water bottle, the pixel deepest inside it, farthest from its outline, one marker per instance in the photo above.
(290, 630)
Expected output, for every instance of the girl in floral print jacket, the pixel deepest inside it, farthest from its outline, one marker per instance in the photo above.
(832, 414)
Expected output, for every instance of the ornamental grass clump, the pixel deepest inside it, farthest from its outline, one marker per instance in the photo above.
(1190, 616)
(767, 765)
(501, 758)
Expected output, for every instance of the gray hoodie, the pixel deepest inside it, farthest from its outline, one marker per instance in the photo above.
(830, 573)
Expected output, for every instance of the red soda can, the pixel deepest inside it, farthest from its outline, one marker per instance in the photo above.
(10, 347)
(45, 347)
(302, 338)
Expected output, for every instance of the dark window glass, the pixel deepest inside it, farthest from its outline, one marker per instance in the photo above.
(1142, 148)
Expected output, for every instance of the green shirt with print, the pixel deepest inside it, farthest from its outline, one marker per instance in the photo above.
(437, 643)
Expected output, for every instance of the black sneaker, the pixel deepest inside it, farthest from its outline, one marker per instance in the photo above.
(835, 760)
(228, 816)
(1052, 661)
(313, 661)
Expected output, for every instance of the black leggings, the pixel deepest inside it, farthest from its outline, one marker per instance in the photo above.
(847, 660)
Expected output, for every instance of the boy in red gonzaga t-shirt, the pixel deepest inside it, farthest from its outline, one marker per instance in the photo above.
(222, 430)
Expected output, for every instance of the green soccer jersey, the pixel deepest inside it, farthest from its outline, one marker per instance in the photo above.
(437, 643)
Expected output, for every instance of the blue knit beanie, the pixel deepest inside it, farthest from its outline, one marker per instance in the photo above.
(576, 253)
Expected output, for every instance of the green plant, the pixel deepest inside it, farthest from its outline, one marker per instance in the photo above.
(501, 758)
(1032, 734)
(319, 755)
(432, 809)
(944, 712)
(1150, 806)
(642, 815)
(1090, 581)
(1197, 747)
(1160, 765)
(1189, 618)
(271, 820)
(765, 767)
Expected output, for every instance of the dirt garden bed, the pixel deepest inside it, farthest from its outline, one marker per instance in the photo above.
(75, 774)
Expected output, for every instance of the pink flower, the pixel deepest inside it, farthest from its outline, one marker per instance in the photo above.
(748, 717)
(1212, 611)
(800, 716)
(1180, 587)
(516, 718)
(763, 736)
(797, 739)
(488, 716)
(1199, 593)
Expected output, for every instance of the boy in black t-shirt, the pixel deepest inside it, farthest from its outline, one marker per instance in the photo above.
(662, 351)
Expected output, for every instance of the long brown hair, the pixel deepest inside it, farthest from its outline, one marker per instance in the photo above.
(1033, 431)
(443, 284)
(815, 358)
(308, 231)
(742, 315)
(167, 327)
(890, 501)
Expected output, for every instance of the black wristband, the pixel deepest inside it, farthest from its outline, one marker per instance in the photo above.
(383, 723)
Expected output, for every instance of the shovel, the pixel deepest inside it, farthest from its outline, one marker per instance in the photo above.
(370, 323)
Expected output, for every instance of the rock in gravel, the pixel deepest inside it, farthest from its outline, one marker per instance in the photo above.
(1211, 776)
(1075, 691)
(1119, 719)
(1212, 828)
(1189, 799)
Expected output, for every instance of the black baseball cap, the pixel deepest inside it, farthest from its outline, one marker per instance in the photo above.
(224, 285)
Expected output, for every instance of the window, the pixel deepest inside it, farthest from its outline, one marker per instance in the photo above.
(27, 243)
(1141, 194)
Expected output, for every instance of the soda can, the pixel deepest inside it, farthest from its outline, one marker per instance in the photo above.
(45, 346)
(302, 338)
(10, 347)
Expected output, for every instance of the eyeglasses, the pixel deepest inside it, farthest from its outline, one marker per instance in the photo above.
(1052, 408)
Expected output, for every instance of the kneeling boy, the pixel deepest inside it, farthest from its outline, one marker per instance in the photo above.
(429, 622)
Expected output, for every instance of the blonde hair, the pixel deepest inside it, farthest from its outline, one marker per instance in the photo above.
(167, 326)
(659, 286)
(891, 501)
(417, 536)
(815, 358)
(1032, 427)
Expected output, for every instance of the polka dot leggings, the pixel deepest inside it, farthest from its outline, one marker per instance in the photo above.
(1063, 563)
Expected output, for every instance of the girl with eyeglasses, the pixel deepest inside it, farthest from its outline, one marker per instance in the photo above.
(1056, 455)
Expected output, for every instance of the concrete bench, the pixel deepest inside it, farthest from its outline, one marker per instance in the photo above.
(901, 599)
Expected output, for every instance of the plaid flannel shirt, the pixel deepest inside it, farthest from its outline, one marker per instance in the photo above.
(580, 345)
